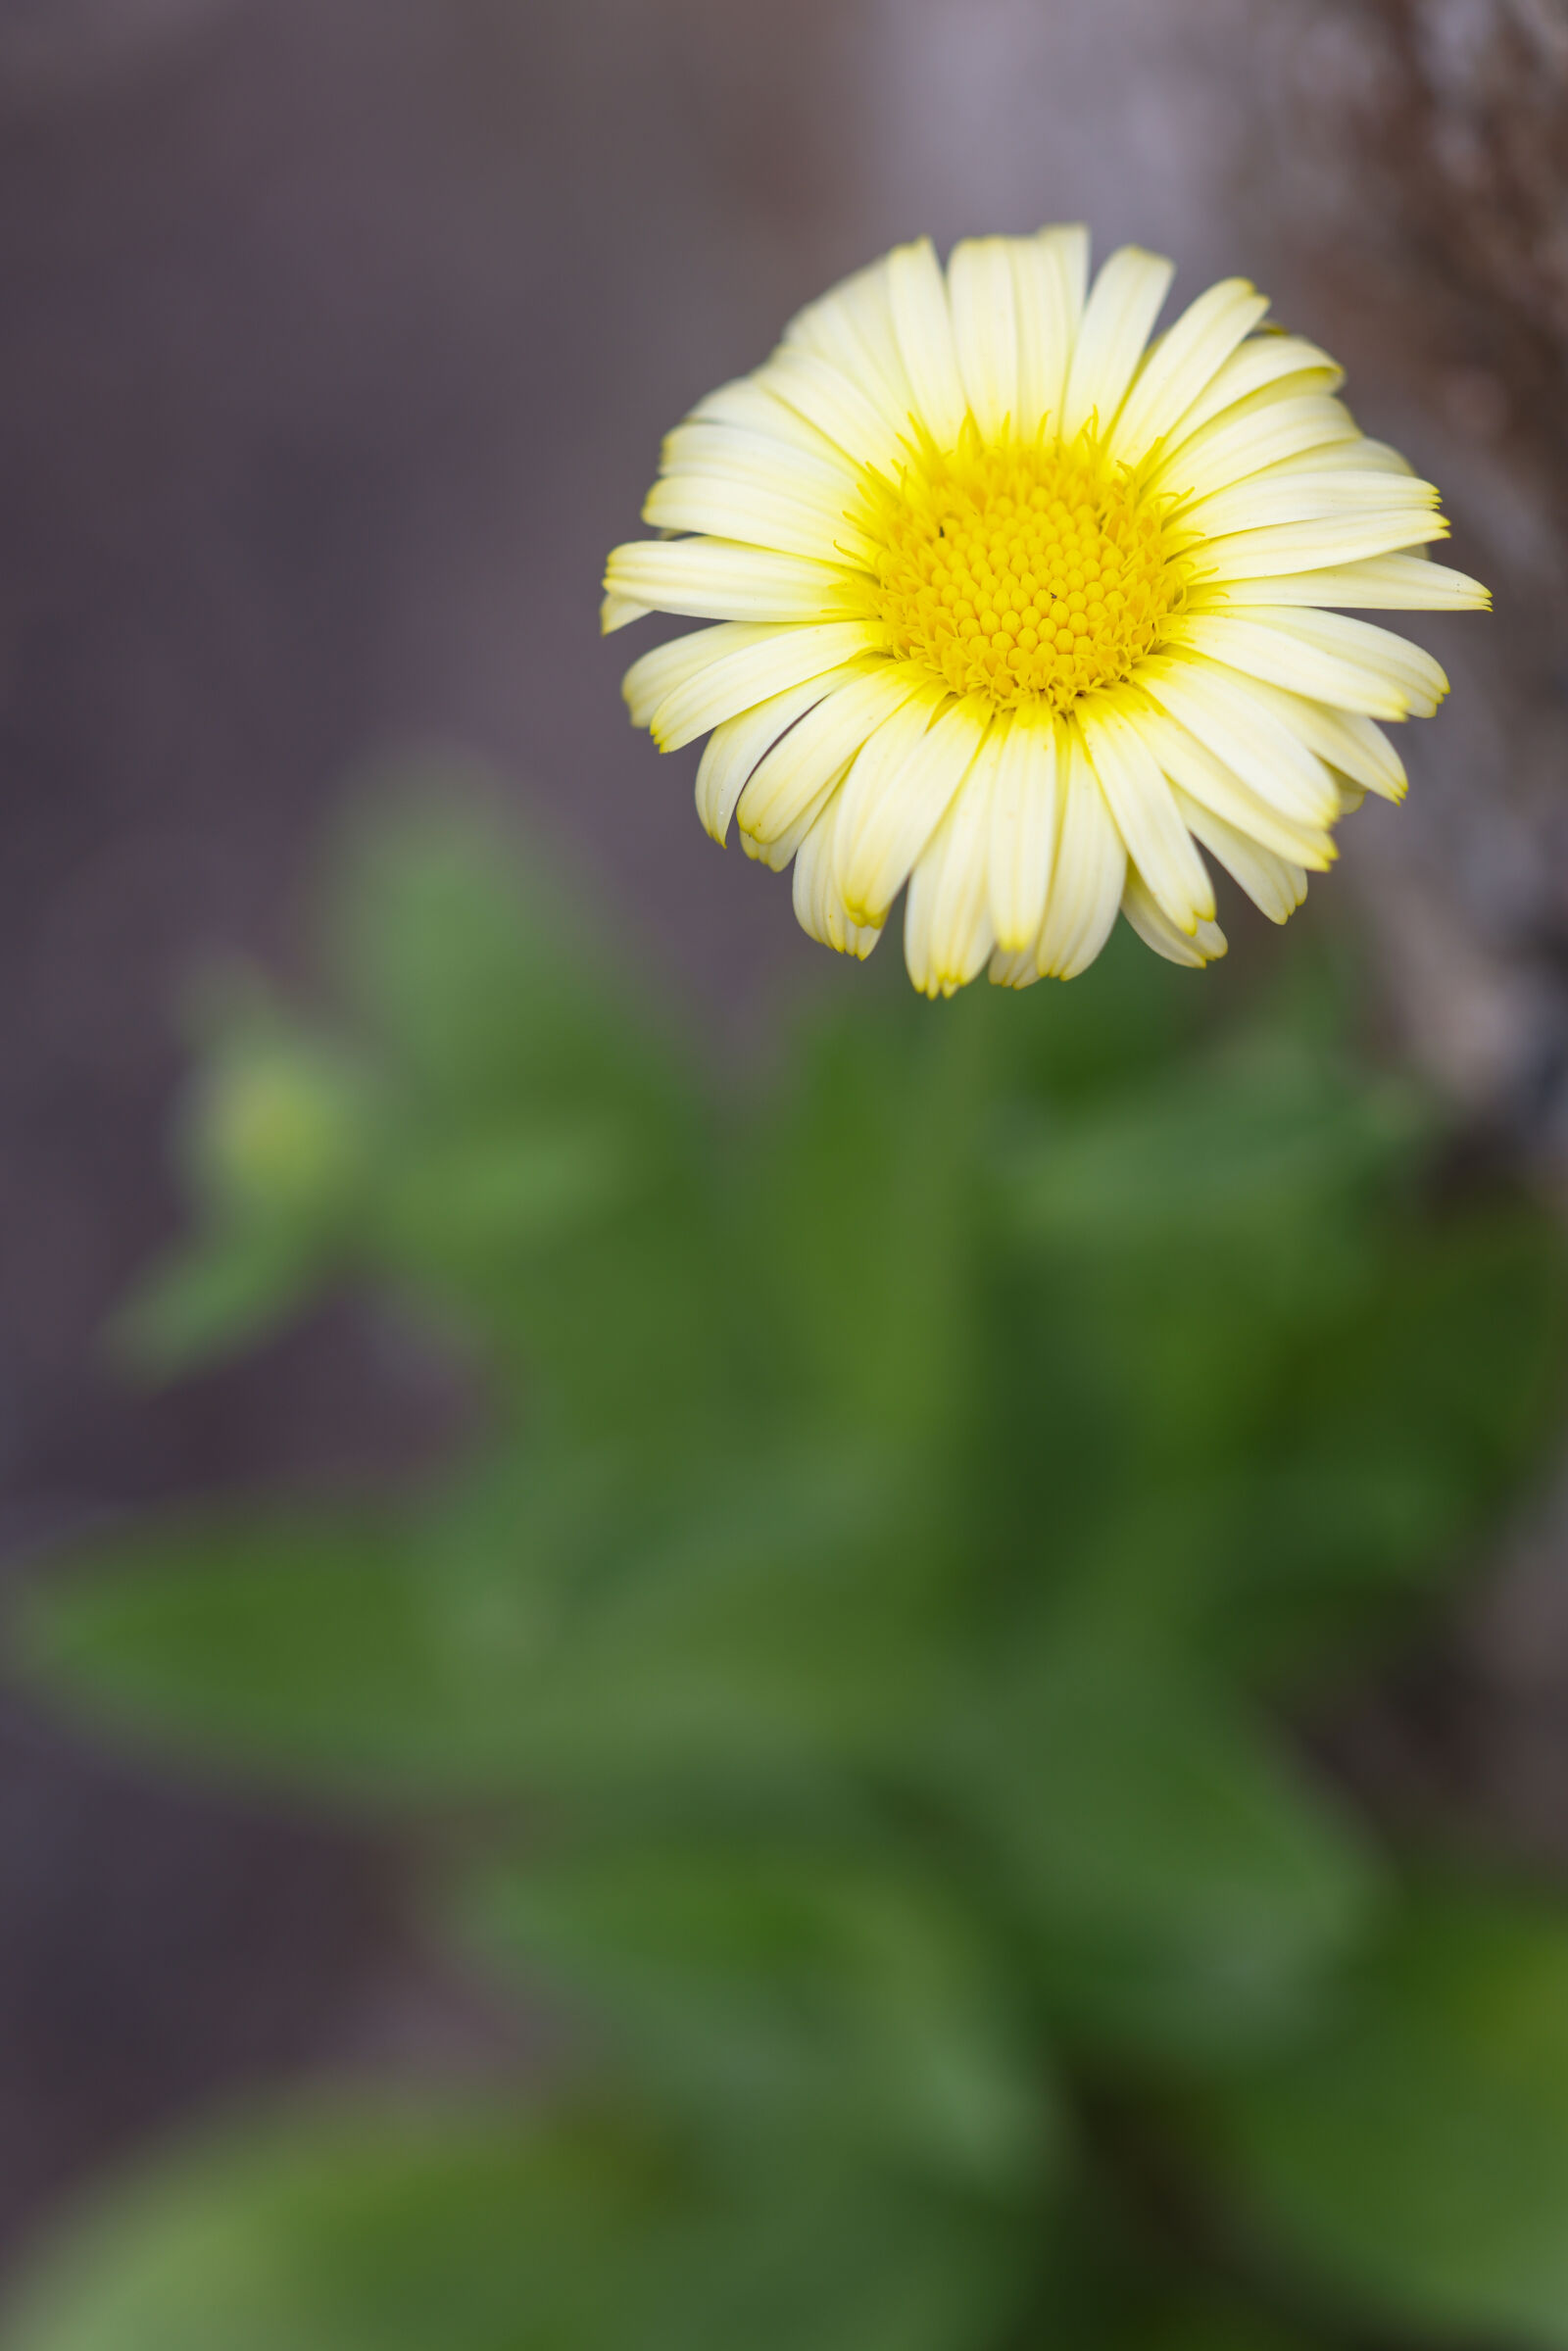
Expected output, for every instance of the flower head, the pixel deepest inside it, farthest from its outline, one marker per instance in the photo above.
(1023, 609)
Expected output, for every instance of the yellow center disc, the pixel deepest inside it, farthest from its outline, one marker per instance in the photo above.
(1020, 571)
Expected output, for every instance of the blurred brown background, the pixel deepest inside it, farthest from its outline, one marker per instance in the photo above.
(338, 340)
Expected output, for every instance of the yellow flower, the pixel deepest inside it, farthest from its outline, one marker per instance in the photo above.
(1019, 607)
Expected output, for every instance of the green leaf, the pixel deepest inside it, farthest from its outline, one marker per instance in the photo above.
(832, 1994)
(1185, 1891)
(1412, 2155)
(388, 2229)
(856, 1216)
(223, 1293)
(380, 2229)
(292, 1643)
(461, 958)
(537, 1625)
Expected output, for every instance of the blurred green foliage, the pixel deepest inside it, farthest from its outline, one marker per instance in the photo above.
(912, 1494)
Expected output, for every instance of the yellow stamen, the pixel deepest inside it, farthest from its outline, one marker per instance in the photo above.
(1025, 572)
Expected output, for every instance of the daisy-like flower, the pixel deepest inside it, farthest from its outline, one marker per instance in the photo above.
(1025, 611)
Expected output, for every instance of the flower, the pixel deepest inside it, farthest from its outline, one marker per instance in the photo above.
(1024, 610)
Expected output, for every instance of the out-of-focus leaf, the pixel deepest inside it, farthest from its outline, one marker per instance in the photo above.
(223, 1293)
(373, 2230)
(837, 1996)
(546, 1630)
(293, 1644)
(463, 959)
(1424, 1403)
(1184, 1890)
(857, 1212)
(1413, 2153)
(1257, 1141)
(383, 2230)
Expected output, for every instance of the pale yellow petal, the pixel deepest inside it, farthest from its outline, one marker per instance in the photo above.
(658, 671)
(851, 327)
(1184, 363)
(1353, 745)
(1199, 775)
(1118, 319)
(1232, 716)
(1051, 275)
(1140, 800)
(1338, 539)
(1025, 812)
(947, 933)
(798, 765)
(733, 749)
(923, 322)
(1269, 364)
(747, 403)
(1385, 582)
(818, 907)
(1368, 456)
(1275, 886)
(1203, 943)
(715, 579)
(839, 409)
(1264, 501)
(777, 853)
(1232, 450)
(619, 611)
(983, 298)
(1087, 876)
(1292, 648)
(890, 810)
(728, 508)
(786, 656)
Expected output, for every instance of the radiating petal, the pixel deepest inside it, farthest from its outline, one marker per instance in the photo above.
(1353, 745)
(1199, 775)
(702, 447)
(780, 520)
(923, 324)
(663, 667)
(1140, 800)
(851, 327)
(1368, 456)
(947, 933)
(818, 907)
(1266, 502)
(1025, 814)
(1232, 718)
(1233, 449)
(619, 611)
(1275, 887)
(1184, 363)
(983, 299)
(892, 810)
(799, 766)
(1205, 944)
(1050, 273)
(1346, 537)
(748, 403)
(1270, 364)
(1118, 320)
(786, 656)
(1294, 649)
(1089, 874)
(714, 579)
(839, 409)
(1383, 582)
(1361, 647)
(733, 749)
